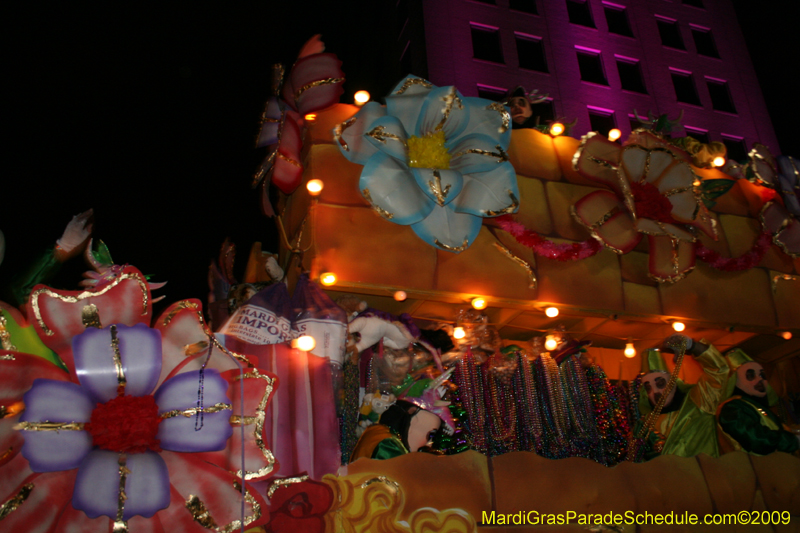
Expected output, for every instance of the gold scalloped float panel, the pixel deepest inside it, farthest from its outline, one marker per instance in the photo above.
(605, 298)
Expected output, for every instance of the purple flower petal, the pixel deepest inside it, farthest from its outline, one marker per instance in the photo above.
(97, 485)
(140, 353)
(181, 433)
(56, 401)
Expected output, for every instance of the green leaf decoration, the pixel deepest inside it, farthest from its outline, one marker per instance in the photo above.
(711, 189)
(102, 254)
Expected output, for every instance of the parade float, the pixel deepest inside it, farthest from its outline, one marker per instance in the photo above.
(429, 211)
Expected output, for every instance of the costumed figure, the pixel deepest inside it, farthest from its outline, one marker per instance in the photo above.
(745, 421)
(521, 112)
(678, 418)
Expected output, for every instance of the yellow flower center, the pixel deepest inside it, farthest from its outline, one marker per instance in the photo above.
(428, 151)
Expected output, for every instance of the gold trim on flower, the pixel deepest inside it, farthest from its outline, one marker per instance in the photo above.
(83, 296)
(49, 426)
(188, 413)
(379, 134)
(339, 129)
(248, 498)
(450, 99)
(121, 380)
(285, 482)
(436, 188)
(199, 512)
(458, 249)
(506, 210)
(413, 81)
(289, 160)
(90, 317)
(259, 419)
(315, 83)
(13, 503)
(500, 108)
(501, 154)
(382, 212)
(5, 335)
(121, 525)
(591, 230)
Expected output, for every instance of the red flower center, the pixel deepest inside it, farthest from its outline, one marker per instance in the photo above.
(650, 203)
(126, 424)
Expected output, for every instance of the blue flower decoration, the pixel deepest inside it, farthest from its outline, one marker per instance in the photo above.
(433, 160)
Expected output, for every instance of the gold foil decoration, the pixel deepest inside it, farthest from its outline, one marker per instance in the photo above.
(500, 154)
(506, 210)
(289, 160)
(591, 229)
(5, 335)
(784, 277)
(200, 513)
(6, 455)
(120, 525)
(90, 317)
(381, 479)
(677, 190)
(7, 357)
(436, 188)
(121, 380)
(506, 117)
(413, 81)
(605, 218)
(455, 249)
(248, 498)
(521, 262)
(201, 345)
(285, 482)
(7, 411)
(316, 83)
(382, 212)
(380, 134)
(195, 348)
(450, 99)
(188, 413)
(259, 420)
(339, 129)
(15, 501)
(37, 312)
(49, 426)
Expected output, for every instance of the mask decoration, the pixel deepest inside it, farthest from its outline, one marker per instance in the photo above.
(520, 109)
(750, 378)
(422, 429)
(654, 384)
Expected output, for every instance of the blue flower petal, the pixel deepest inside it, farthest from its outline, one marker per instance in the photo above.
(349, 135)
(406, 100)
(489, 118)
(389, 136)
(440, 185)
(477, 153)
(487, 194)
(390, 187)
(444, 110)
(448, 230)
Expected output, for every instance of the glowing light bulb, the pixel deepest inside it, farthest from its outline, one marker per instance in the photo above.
(328, 279)
(305, 343)
(718, 161)
(459, 333)
(550, 342)
(787, 335)
(400, 296)
(614, 134)
(479, 303)
(361, 97)
(556, 129)
(630, 351)
(314, 187)
(678, 326)
(311, 117)
(552, 312)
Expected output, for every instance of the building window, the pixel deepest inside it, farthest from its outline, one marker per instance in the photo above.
(685, 90)
(704, 41)
(486, 43)
(617, 19)
(693, 3)
(630, 74)
(491, 93)
(545, 112)
(580, 13)
(591, 66)
(737, 151)
(526, 6)
(697, 133)
(602, 120)
(720, 95)
(530, 51)
(670, 33)
(492, 2)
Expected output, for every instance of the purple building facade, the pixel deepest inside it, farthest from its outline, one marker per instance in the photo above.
(597, 60)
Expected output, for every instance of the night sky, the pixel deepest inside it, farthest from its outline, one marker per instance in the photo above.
(149, 117)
